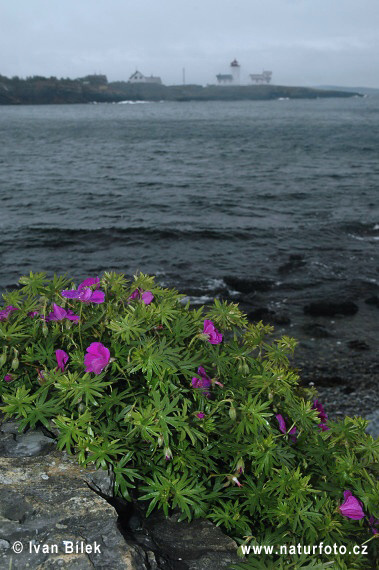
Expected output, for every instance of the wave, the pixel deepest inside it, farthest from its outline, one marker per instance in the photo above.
(61, 237)
(361, 230)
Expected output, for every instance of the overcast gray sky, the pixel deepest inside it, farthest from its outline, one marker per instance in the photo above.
(303, 42)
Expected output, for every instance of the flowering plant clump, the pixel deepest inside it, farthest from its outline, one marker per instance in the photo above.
(194, 410)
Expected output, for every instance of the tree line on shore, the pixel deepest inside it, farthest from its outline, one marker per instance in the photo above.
(96, 89)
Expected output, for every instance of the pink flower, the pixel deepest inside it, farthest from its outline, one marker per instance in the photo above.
(292, 434)
(212, 334)
(200, 415)
(321, 412)
(4, 313)
(283, 428)
(62, 358)
(134, 295)
(8, 378)
(351, 507)
(323, 427)
(282, 423)
(373, 524)
(32, 314)
(146, 297)
(59, 313)
(84, 293)
(204, 382)
(97, 358)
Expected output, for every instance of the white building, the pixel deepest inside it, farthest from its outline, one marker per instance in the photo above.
(138, 77)
(264, 77)
(224, 79)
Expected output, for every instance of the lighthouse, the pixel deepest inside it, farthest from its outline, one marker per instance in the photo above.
(235, 69)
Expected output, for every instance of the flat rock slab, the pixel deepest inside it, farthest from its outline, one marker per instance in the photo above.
(53, 515)
(50, 515)
(198, 545)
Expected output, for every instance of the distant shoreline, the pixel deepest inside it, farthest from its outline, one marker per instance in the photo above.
(96, 89)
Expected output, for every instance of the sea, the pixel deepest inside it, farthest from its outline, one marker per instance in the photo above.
(281, 191)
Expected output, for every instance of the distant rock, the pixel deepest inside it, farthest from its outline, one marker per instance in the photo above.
(269, 316)
(316, 330)
(246, 285)
(358, 345)
(294, 263)
(374, 300)
(331, 308)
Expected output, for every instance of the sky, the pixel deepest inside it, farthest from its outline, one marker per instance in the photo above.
(303, 42)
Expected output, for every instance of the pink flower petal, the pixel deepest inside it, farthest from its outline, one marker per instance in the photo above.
(62, 358)
(88, 282)
(85, 295)
(147, 297)
(282, 423)
(97, 297)
(351, 507)
(70, 293)
(59, 313)
(71, 317)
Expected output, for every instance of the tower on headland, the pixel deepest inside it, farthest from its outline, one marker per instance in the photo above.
(235, 69)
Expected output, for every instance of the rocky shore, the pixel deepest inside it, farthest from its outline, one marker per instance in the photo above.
(337, 332)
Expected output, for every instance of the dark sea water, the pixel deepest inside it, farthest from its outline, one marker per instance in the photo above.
(193, 192)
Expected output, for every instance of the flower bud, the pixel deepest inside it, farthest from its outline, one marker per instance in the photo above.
(45, 330)
(243, 367)
(15, 362)
(160, 440)
(167, 453)
(232, 413)
(41, 377)
(240, 467)
(3, 357)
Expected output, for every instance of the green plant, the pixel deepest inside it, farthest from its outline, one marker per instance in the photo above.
(210, 421)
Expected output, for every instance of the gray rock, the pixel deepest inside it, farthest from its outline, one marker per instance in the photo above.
(198, 545)
(29, 444)
(10, 426)
(4, 544)
(45, 504)
(48, 505)
(102, 482)
(373, 427)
